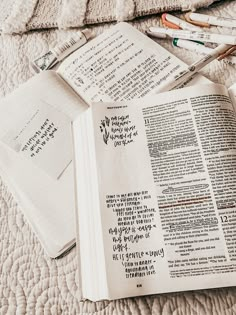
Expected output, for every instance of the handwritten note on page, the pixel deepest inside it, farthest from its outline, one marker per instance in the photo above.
(42, 134)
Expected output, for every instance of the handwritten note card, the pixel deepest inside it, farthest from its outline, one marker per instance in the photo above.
(42, 134)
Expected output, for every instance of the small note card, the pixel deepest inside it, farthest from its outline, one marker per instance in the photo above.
(42, 134)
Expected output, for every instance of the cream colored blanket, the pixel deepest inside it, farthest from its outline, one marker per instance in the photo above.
(32, 283)
(17, 16)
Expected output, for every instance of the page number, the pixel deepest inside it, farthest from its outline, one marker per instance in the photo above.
(139, 285)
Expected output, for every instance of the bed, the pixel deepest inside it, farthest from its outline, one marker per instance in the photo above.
(31, 282)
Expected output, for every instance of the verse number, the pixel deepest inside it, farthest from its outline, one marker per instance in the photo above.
(224, 218)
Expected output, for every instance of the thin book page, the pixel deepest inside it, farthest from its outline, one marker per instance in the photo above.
(232, 93)
(120, 64)
(165, 174)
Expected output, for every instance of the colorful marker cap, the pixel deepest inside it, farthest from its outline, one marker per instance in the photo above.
(175, 41)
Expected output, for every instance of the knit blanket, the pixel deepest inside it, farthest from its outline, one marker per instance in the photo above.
(17, 16)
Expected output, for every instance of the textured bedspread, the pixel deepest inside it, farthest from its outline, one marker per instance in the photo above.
(32, 283)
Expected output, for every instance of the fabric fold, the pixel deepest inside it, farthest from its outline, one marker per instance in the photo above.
(18, 16)
(73, 13)
(21, 13)
(125, 10)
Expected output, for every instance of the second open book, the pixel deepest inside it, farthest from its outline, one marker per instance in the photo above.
(156, 193)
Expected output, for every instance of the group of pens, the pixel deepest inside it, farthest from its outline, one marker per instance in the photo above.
(191, 35)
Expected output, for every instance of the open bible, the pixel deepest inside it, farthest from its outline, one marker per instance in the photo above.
(156, 193)
(35, 133)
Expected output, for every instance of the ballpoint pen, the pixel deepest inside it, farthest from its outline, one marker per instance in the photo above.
(201, 48)
(183, 76)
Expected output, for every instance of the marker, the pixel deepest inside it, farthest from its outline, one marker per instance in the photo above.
(58, 53)
(161, 32)
(178, 80)
(206, 20)
(167, 23)
(198, 47)
(166, 17)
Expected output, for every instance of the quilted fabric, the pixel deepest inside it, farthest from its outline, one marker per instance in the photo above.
(31, 282)
(17, 16)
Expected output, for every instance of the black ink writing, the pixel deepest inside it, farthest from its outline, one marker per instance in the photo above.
(119, 130)
(40, 138)
(135, 224)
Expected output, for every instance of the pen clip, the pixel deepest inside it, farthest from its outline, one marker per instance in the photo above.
(188, 19)
(227, 52)
(167, 23)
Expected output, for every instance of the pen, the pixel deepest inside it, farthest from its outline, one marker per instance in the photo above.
(207, 20)
(58, 53)
(200, 48)
(166, 17)
(183, 76)
(161, 32)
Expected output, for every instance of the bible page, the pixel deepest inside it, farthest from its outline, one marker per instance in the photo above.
(166, 178)
(120, 64)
